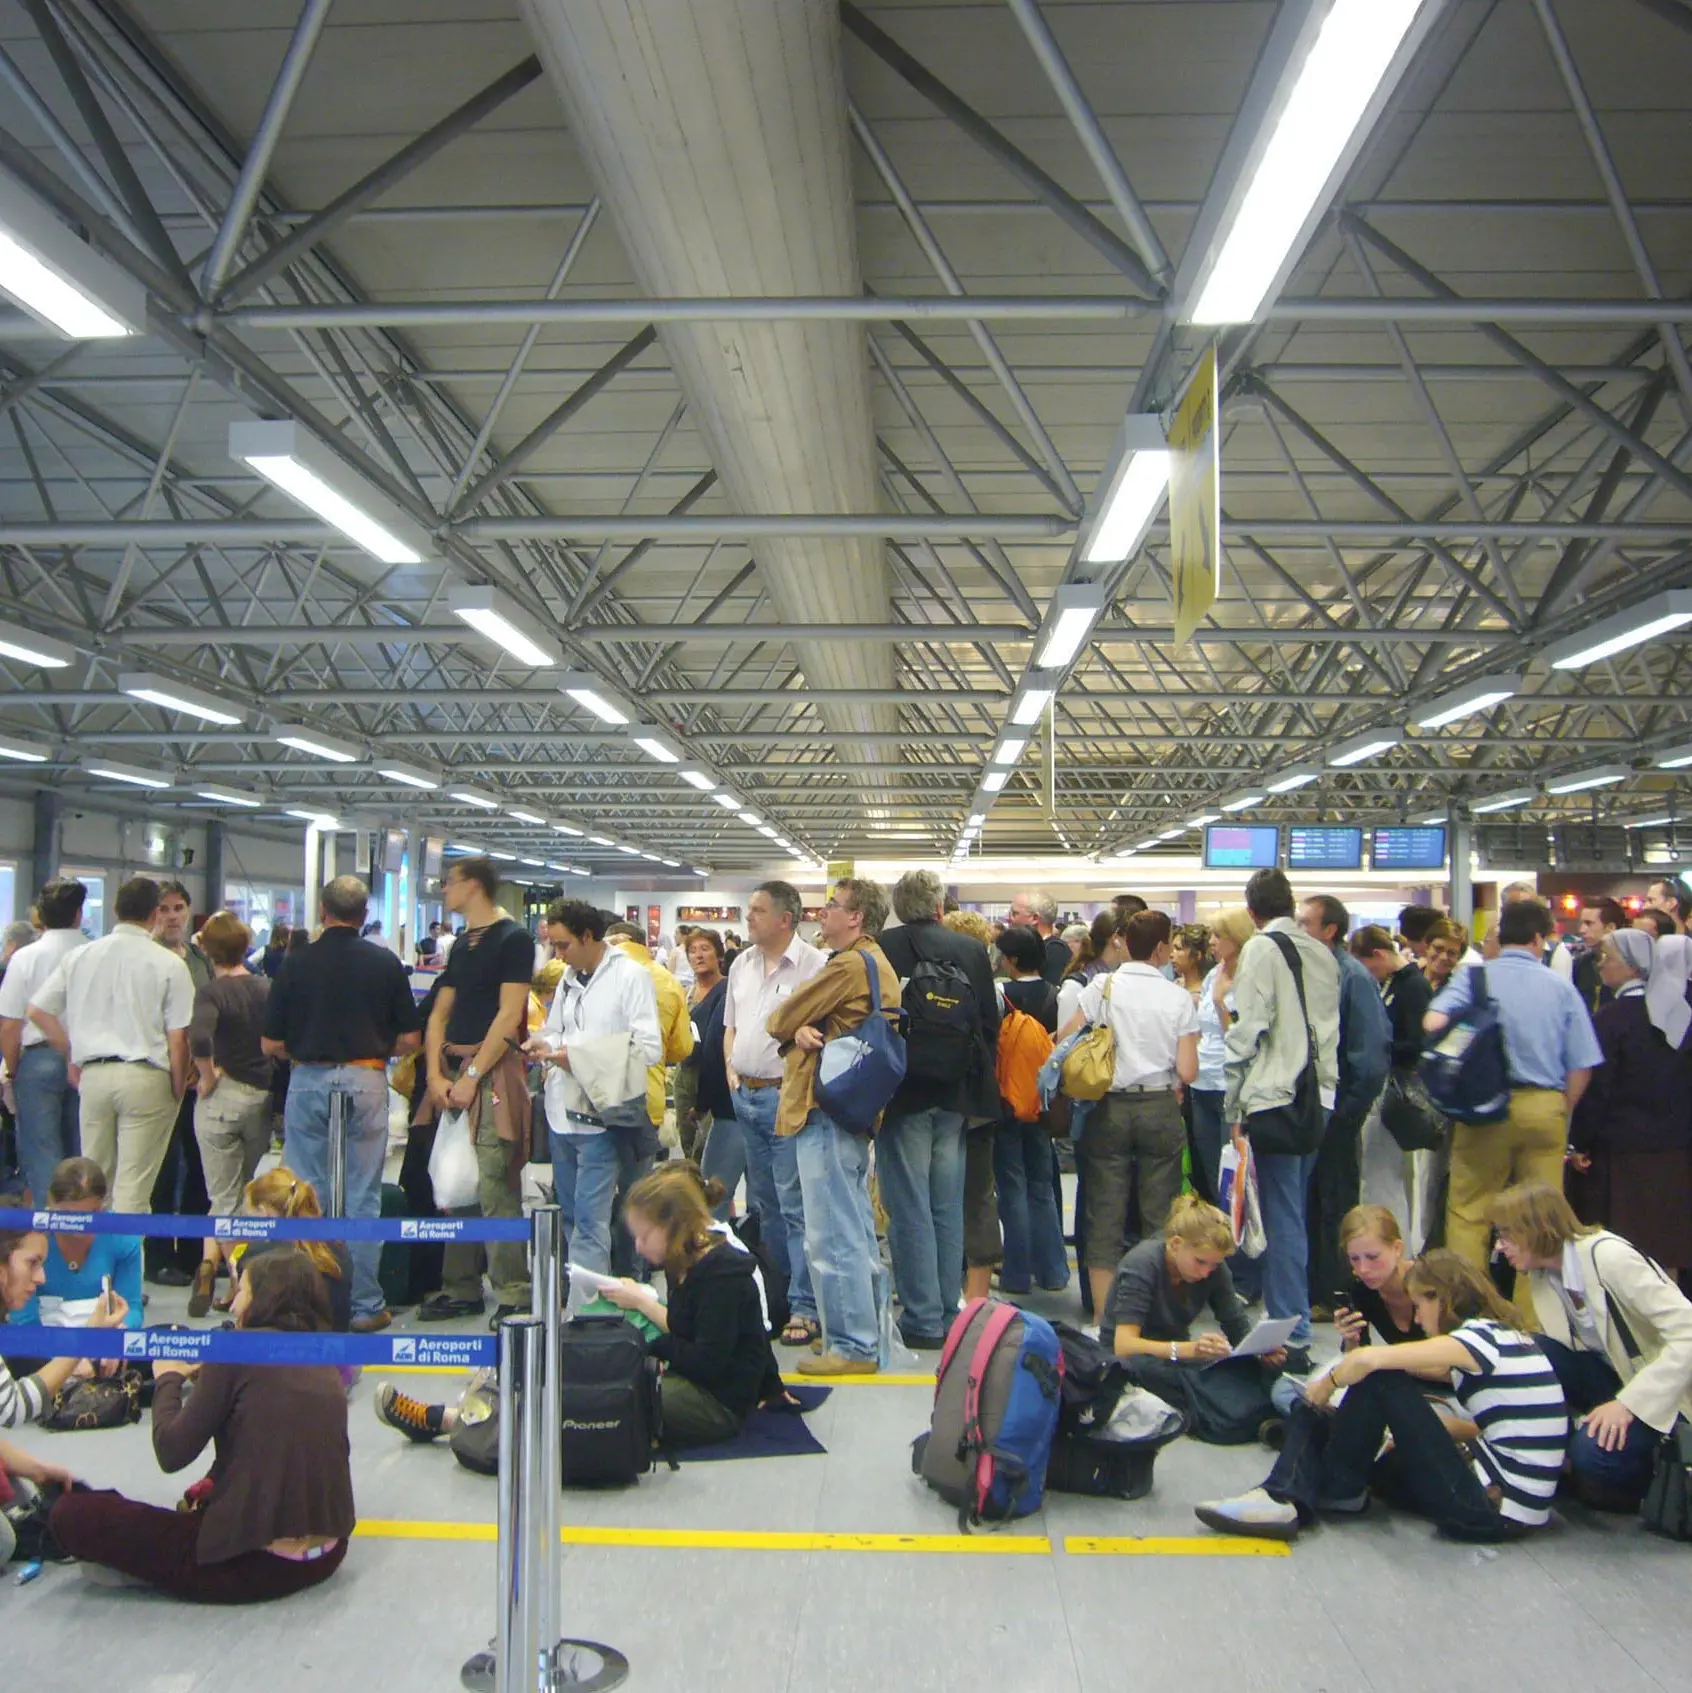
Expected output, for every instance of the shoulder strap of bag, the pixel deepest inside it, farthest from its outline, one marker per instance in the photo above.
(874, 976)
(999, 1319)
(1629, 1345)
(1289, 951)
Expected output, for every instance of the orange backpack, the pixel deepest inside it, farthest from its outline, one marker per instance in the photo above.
(1024, 1045)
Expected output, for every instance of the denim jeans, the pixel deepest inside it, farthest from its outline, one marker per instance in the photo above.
(584, 1183)
(840, 1246)
(305, 1150)
(49, 1117)
(775, 1192)
(1028, 1209)
(920, 1160)
(724, 1160)
(1330, 1459)
(1613, 1480)
(632, 1164)
(1210, 1135)
(1283, 1182)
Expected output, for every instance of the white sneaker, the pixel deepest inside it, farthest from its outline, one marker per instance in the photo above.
(1253, 1513)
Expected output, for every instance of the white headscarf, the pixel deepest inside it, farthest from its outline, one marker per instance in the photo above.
(1665, 987)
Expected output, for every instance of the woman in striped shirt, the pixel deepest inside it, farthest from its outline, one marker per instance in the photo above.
(1490, 1476)
(23, 1261)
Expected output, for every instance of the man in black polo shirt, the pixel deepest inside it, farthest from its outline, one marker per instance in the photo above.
(339, 1009)
(474, 1050)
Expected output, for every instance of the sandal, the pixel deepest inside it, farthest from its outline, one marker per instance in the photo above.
(205, 1285)
(801, 1331)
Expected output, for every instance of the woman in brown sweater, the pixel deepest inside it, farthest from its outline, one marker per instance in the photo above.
(280, 1508)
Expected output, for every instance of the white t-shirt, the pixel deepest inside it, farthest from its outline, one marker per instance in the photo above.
(29, 969)
(754, 992)
(1149, 1014)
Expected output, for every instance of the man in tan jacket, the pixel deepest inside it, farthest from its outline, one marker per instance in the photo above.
(840, 1244)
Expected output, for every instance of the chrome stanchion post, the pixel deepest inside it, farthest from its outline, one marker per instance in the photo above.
(547, 1301)
(337, 1195)
(509, 1663)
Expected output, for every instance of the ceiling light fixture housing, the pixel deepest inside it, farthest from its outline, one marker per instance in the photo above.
(29, 648)
(1362, 747)
(655, 743)
(229, 796)
(698, 779)
(1299, 776)
(290, 458)
(1594, 776)
(317, 819)
(1037, 693)
(315, 745)
(498, 618)
(171, 695)
(409, 775)
(592, 695)
(1674, 758)
(1482, 694)
(1658, 615)
(58, 278)
(1070, 617)
(477, 797)
(1502, 802)
(23, 751)
(1129, 493)
(135, 775)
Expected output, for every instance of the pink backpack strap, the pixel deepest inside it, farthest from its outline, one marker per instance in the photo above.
(960, 1327)
(999, 1320)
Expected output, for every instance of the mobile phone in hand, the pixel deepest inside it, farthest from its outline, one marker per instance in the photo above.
(106, 1294)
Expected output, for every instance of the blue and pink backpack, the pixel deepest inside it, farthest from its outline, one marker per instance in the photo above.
(996, 1403)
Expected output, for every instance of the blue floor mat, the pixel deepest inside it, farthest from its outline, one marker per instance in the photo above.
(767, 1434)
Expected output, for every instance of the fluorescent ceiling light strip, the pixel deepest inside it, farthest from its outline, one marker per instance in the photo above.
(29, 648)
(533, 863)
(1331, 93)
(1135, 480)
(465, 846)
(137, 776)
(567, 829)
(599, 840)
(1070, 617)
(469, 796)
(671, 863)
(23, 751)
(525, 816)
(1009, 750)
(1242, 802)
(177, 696)
(1029, 704)
(655, 748)
(977, 818)
(1661, 614)
(1482, 694)
(1647, 822)
(1203, 818)
(319, 819)
(1578, 781)
(1504, 802)
(498, 617)
(318, 746)
(56, 276)
(227, 796)
(302, 483)
(633, 852)
(408, 775)
(727, 801)
(994, 781)
(1674, 758)
(1300, 776)
(698, 779)
(1362, 747)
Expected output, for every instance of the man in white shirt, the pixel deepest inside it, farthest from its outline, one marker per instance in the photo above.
(604, 992)
(774, 963)
(49, 1108)
(1137, 1136)
(675, 958)
(119, 1010)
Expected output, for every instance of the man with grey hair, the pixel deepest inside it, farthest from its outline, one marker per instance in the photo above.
(337, 1011)
(840, 1247)
(775, 965)
(950, 1017)
(1037, 910)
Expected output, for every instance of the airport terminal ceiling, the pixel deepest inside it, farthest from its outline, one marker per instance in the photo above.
(748, 373)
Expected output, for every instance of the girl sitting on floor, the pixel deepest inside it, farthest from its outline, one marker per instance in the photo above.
(714, 1343)
(1377, 1298)
(280, 1508)
(280, 1193)
(1490, 1477)
(23, 1270)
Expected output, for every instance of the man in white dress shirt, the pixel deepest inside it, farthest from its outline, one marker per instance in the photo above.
(119, 1010)
(49, 1108)
(772, 966)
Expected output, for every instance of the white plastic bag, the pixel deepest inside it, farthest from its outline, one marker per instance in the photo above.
(452, 1163)
(1236, 1185)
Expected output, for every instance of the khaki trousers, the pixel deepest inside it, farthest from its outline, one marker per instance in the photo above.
(1527, 1146)
(128, 1112)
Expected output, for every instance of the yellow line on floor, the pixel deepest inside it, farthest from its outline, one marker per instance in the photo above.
(727, 1540)
(779, 1540)
(1172, 1546)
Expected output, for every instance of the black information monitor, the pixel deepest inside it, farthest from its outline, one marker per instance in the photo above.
(1242, 846)
(1320, 846)
(1411, 847)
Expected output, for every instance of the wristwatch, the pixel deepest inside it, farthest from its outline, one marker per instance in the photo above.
(472, 1072)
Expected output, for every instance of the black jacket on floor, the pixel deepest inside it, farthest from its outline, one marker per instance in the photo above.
(717, 1339)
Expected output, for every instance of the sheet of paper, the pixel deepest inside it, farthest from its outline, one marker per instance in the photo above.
(1269, 1334)
(592, 1280)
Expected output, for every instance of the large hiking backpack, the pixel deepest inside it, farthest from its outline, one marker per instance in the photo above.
(1109, 1431)
(1465, 1068)
(995, 1411)
(1024, 1046)
(608, 1403)
(859, 1072)
(940, 1020)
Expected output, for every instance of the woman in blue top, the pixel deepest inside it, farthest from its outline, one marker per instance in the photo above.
(77, 1264)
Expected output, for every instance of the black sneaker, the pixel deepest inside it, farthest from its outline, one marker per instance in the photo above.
(167, 1275)
(924, 1342)
(441, 1308)
(502, 1312)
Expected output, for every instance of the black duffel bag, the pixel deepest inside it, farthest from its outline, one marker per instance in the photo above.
(1409, 1116)
(1667, 1506)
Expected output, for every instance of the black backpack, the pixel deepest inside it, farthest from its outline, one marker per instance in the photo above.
(608, 1403)
(940, 1020)
(1083, 1459)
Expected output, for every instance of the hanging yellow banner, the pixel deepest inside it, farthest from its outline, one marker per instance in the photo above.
(1195, 499)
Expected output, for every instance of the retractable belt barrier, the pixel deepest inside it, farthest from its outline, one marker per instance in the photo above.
(408, 1231)
(247, 1346)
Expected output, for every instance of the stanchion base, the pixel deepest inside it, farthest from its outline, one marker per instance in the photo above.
(584, 1666)
(581, 1666)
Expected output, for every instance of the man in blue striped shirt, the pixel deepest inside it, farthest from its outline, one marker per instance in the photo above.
(1552, 1052)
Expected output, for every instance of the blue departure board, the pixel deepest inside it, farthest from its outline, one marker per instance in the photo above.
(1409, 848)
(1321, 846)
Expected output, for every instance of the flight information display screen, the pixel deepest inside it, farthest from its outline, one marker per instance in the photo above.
(1320, 846)
(1409, 848)
(1241, 846)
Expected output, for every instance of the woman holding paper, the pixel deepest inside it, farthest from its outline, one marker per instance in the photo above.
(1162, 1286)
(1487, 1475)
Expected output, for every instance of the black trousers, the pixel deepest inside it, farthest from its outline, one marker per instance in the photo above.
(1336, 1185)
(1329, 1459)
(179, 1190)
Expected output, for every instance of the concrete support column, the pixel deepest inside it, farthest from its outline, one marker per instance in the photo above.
(1461, 836)
(216, 842)
(47, 847)
(1186, 906)
(313, 877)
